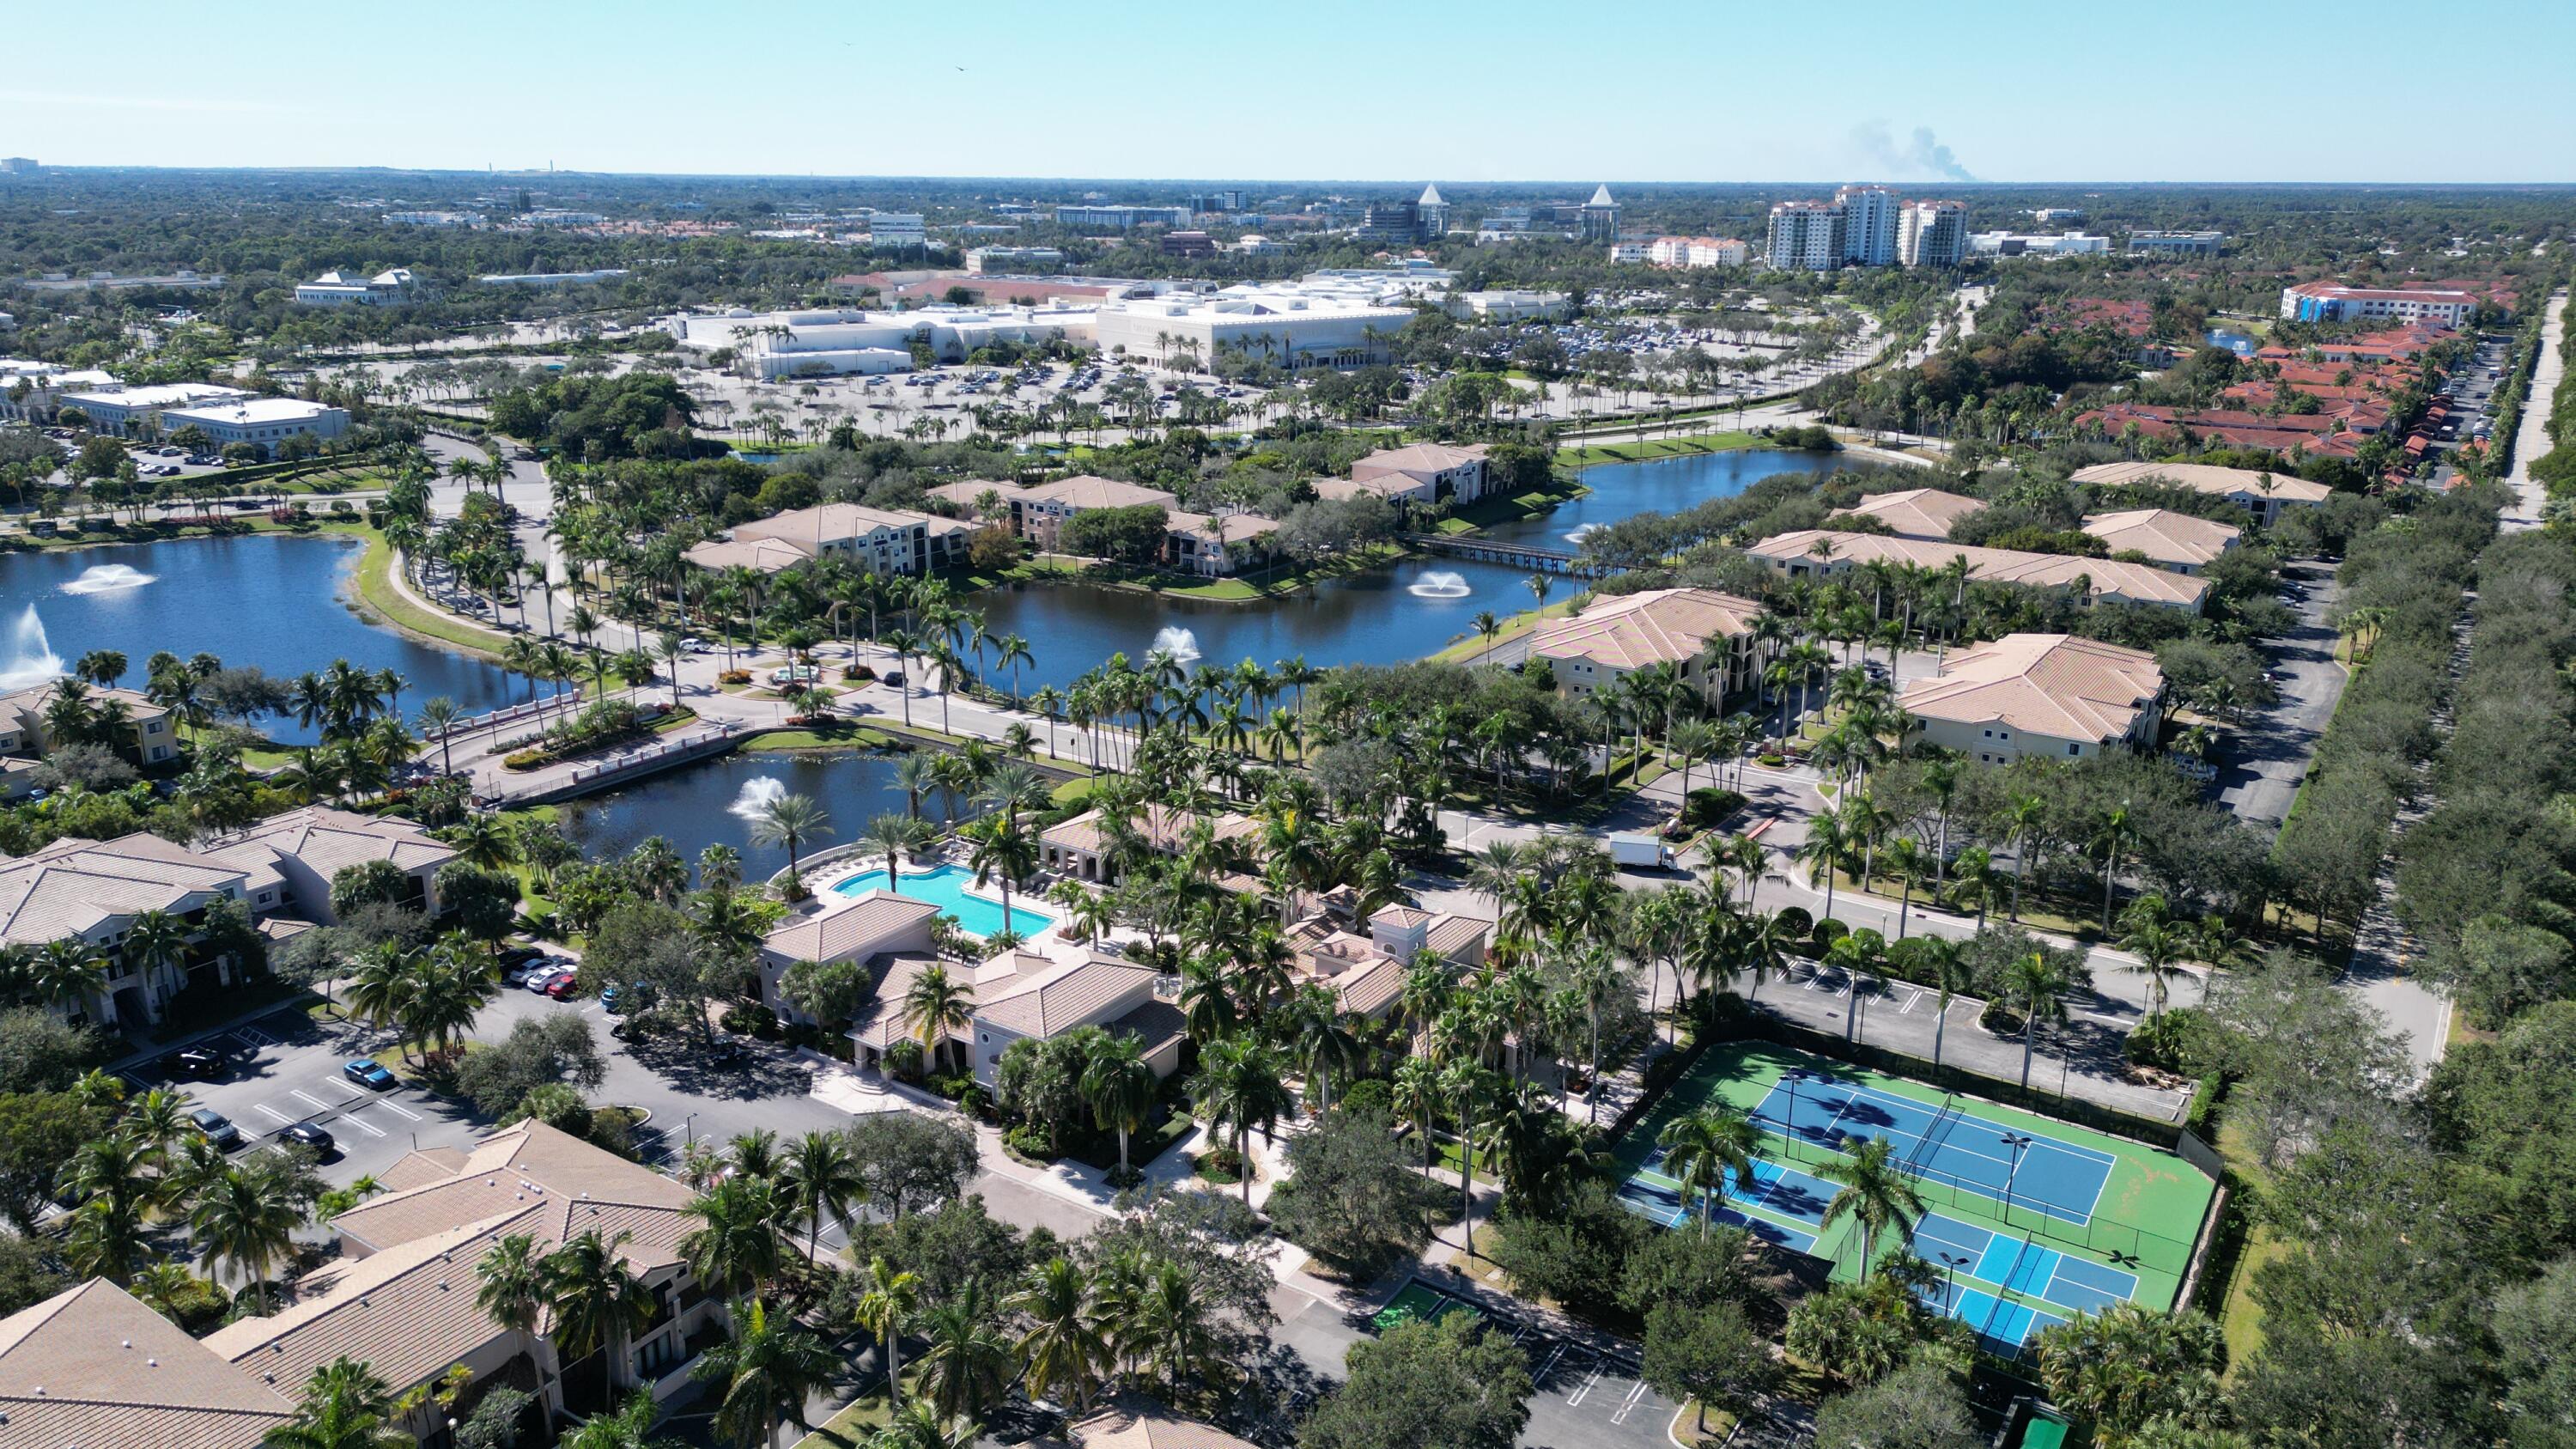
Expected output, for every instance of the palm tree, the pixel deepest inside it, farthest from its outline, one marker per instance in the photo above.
(155, 940)
(2160, 946)
(1171, 1331)
(884, 1310)
(892, 835)
(937, 1006)
(511, 1288)
(2040, 988)
(1702, 1147)
(344, 1407)
(735, 1249)
(768, 1368)
(789, 821)
(1827, 844)
(1061, 1350)
(1119, 1085)
(246, 1218)
(999, 847)
(1945, 962)
(629, 1427)
(1238, 1089)
(967, 1366)
(1487, 626)
(1875, 1193)
(2024, 814)
(597, 1301)
(2117, 833)
(1468, 1084)
(821, 1180)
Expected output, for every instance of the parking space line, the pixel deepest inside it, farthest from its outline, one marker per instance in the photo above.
(1636, 1396)
(317, 1102)
(1575, 1399)
(1911, 998)
(399, 1110)
(363, 1125)
(274, 1115)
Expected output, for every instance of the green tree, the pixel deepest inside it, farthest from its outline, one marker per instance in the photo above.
(1708, 1355)
(967, 1365)
(1875, 1193)
(1350, 1196)
(886, 1309)
(1919, 1406)
(1702, 1147)
(766, 1370)
(344, 1406)
(1446, 1384)
(2118, 1369)
(1239, 1090)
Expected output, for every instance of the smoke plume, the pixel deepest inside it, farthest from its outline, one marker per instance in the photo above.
(1922, 156)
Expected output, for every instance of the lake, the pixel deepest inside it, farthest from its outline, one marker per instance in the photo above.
(692, 807)
(265, 599)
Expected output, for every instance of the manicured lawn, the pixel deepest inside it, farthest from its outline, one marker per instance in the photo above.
(847, 738)
(2241, 1319)
(852, 1426)
(375, 587)
(1471, 649)
(1584, 457)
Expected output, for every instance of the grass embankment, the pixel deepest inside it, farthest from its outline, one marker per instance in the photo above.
(857, 737)
(1682, 447)
(1471, 649)
(1517, 507)
(157, 532)
(374, 583)
(2241, 1319)
(853, 1426)
(1250, 587)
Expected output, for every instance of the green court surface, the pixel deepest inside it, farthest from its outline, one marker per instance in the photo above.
(1416, 1302)
(2029, 1219)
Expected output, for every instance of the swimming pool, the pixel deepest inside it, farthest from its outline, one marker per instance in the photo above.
(945, 886)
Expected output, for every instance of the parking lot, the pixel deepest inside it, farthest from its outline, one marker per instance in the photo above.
(286, 1069)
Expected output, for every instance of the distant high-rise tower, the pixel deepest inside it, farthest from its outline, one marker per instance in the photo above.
(1601, 216)
(1806, 236)
(1869, 225)
(1432, 210)
(1933, 234)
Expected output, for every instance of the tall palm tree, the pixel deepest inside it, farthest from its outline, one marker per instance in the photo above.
(597, 1301)
(1061, 1349)
(2035, 986)
(1001, 848)
(968, 1364)
(510, 1288)
(1119, 1086)
(345, 1406)
(1702, 1147)
(734, 1248)
(246, 1218)
(791, 822)
(768, 1369)
(1238, 1089)
(935, 1006)
(1172, 1330)
(1875, 1193)
(821, 1180)
(886, 1309)
(891, 836)
(1827, 845)
(2161, 946)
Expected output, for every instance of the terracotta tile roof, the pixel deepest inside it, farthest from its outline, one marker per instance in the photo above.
(1914, 512)
(75, 887)
(2204, 478)
(1135, 1423)
(2107, 578)
(24, 708)
(1238, 526)
(1420, 461)
(1057, 995)
(1163, 827)
(531, 1164)
(329, 841)
(768, 555)
(965, 492)
(418, 1169)
(92, 1367)
(880, 1022)
(1083, 490)
(1452, 934)
(2055, 685)
(1653, 626)
(1155, 1025)
(407, 1312)
(2163, 535)
(800, 528)
(863, 925)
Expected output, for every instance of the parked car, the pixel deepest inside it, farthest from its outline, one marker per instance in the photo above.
(368, 1072)
(216, 1127)
(202, 1063)
(518, 975)
(305, 1134)
(544, 979)
(562, 986)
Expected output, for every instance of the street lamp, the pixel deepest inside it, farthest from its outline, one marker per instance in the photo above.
(2014, 1142)
(687, 1137)
(1954, 1262)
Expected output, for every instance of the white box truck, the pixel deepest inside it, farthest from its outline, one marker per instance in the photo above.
(1629, 849)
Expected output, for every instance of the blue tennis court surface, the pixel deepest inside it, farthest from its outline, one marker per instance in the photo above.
(2057, 1178)
(2024, 1267)
(1656, 1199)
(2004, 1326)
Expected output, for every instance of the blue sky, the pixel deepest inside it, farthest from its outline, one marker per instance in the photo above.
(1699, 90)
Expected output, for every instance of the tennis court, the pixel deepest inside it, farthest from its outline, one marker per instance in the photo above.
(2060, 1178)
(2031, 1220)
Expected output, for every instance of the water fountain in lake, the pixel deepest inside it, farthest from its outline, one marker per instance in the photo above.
(1577, 536)
(1181, 644)
(26, 656)
(108, 578)
(1439, 584)
(755, 797)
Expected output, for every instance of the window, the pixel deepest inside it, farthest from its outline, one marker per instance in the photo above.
(2074, 749)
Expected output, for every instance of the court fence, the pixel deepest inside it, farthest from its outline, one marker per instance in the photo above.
(1762, 1026)
(2124, 1244)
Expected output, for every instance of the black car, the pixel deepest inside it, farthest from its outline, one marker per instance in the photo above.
(518, 954)
(893, 677)
(202, 1063)
(305, 1134)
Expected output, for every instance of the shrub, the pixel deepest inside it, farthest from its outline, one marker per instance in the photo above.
(751, 1019)
(1031, 1140)
(734, 676)
(857, 673)
(1708, 805)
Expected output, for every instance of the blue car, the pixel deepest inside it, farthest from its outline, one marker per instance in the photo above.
(367, 1072)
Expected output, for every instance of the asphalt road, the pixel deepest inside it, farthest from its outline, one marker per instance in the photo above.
(2268, 756)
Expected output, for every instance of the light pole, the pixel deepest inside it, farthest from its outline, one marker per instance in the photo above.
(1953, 1262)
(2014, 1142)
(688, 1137)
